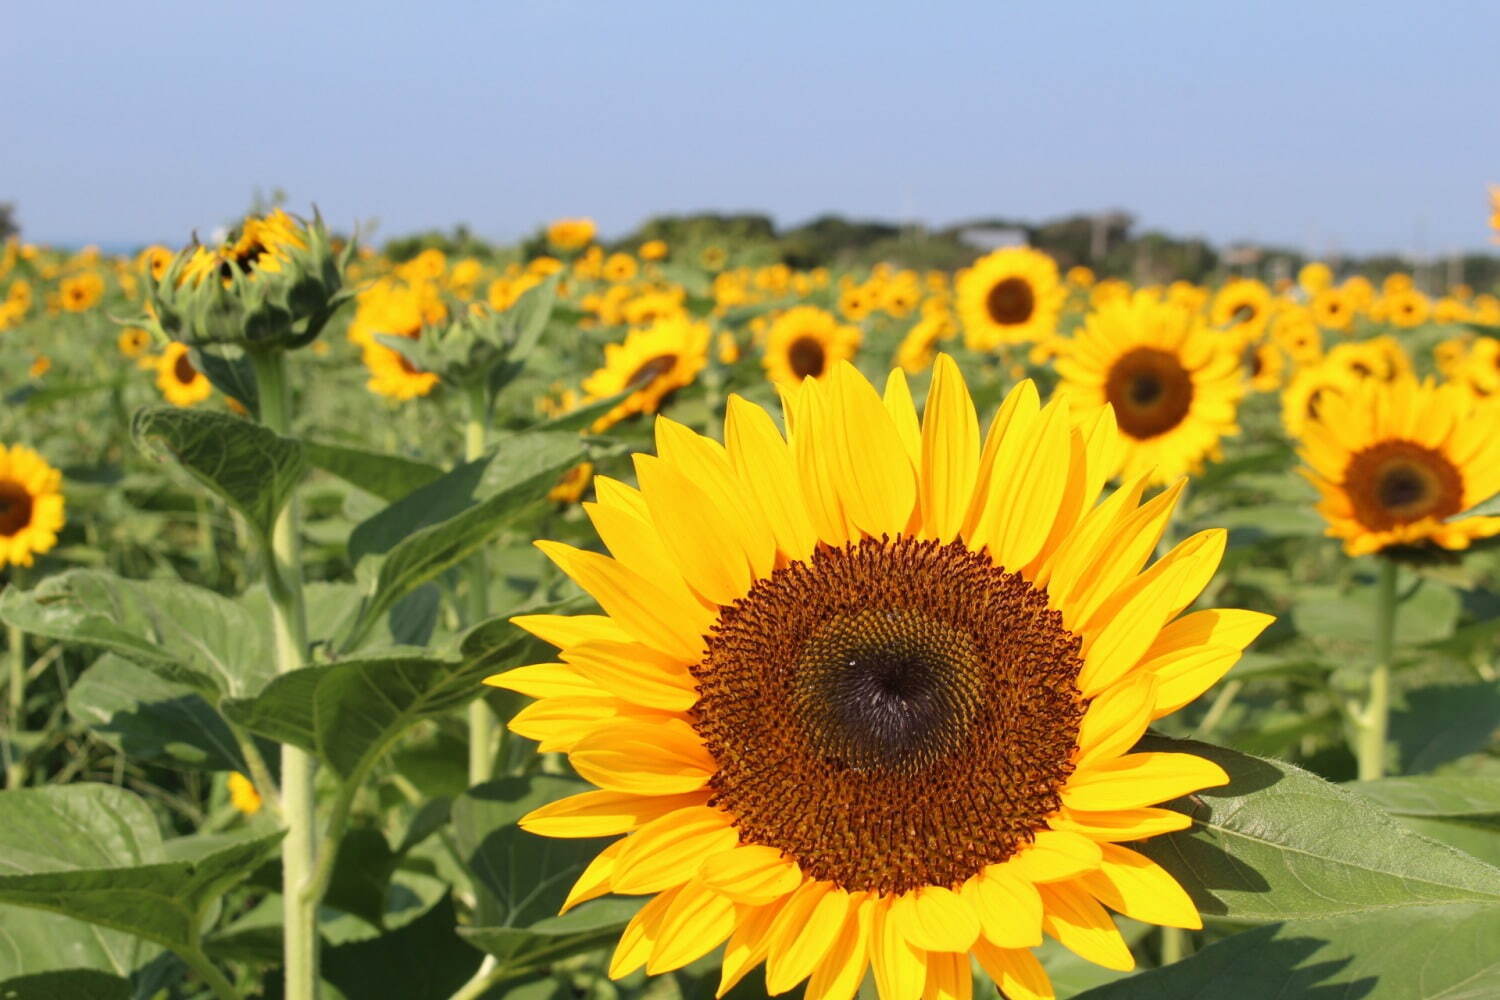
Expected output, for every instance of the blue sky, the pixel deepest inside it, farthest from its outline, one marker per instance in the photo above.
(1333, 126)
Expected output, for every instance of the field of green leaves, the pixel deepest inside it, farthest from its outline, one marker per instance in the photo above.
(268, 509)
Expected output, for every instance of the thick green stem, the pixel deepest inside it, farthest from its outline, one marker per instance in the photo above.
(1175, 945)
(482, 727)
(215, 980)
(1374, 720)
(488, 975)
(15, 641)
(283, 569)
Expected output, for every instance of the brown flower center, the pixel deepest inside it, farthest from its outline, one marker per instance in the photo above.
(183, 370)
(1398, 482)
(1150, 390)
(1010, 301)
(15, 507)
(651, 370)
(806, 357)
(890, 714)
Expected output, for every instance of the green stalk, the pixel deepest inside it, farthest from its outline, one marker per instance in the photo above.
(1374, 720)
(15, 641)
(482, 728)
(283, 569)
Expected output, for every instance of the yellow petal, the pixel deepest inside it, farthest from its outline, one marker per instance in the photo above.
(903, 411)
(695, 924)
(636, 673)
(546, 680)
(1140, 779)
(935, 918)
(1139, 888)
(900, 968)
(1009, 909)
(1095, 575)
(1055, 855)
(636, 545)
(763, 462)
(1027, 487)
(1016, 971)
(948, 977)
(809, 924)
(647, 612)
(752, 873)
(747, 946)
(813, 453)
(1015, 416)
(1084, 927)
(640, 936)
(876, 482)
(950, 452)
(595, 880)
(839, 974)
(1194, 652)
(669, 851)
(603, 813)
(1116, 718)
(563, 631)
(645, 758)
(706, 464)
(558, 724)
(1122, 824)
(703, 542)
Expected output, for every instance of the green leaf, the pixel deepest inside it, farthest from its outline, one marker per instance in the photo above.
(230, 371)
(525, 878)
(1435, 797)
(150, 718)
(252, 468)
(418, 544)
(350, 712)
(1440, 723)
(70, 984)
(362, 875)
(33, 942)
(423, 960)
(389, 477)
(92, 852)
(185, 634)
(1279, 843)
(1427, 612)
(531, 312)
(1449, 952)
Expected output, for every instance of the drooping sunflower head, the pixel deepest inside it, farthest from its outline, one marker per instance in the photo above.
(651, 364)
(31, 505)
(1241, 309)
(1174, 385)
(863, 694)
(179, 380)
(1009, 296)
(806, 342)
(1395, 462)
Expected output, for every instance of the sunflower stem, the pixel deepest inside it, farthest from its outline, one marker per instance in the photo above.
(15, 641)
(1374, 721)
(482, 728)
(283, 570)
(1175, 945)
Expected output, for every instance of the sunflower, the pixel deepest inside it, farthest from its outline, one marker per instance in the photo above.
(1296, 333)
(620, 267)
(915, 352)
(133, 341)
(1242, 308)
(571, 234)
(261, 247)
(1333, 309)
(1303, 398)
(31, 505)
(805, 342)
(1379, 358)
(178, 380)
(1008, 297)
(1397, 462)
(82, 292)
(243, 794)
(652, 363)
(1173, 383)
(1314, 277)
(40, 365)
(1264, 367)
(864, 698)
(653, 250)
(1406, 307)
(394, 376)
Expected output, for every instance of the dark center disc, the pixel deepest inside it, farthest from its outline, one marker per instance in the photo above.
(1398, 482)
(890, 714)
(1150, 391)
(183, 370)
(806, 357)
(651, 370)
(1011, 301)
(15, 508)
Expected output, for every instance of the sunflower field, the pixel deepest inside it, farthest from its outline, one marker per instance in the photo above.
(586, 619)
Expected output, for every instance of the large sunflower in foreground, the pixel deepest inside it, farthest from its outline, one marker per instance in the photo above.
(1009, 296)
(865, 696)
(1174, 384)
(651, 364)
(31, 505)
(1395, 462)
(806, 342)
